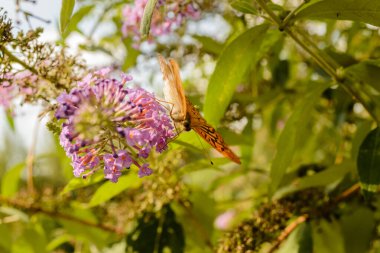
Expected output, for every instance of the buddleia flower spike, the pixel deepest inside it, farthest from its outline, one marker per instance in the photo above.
(107, 126)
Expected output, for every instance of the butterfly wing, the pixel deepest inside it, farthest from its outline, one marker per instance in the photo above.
(208, 133)
(184, 111)
(173, 90)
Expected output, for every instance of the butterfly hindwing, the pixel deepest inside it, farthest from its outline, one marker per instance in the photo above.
(208, 133)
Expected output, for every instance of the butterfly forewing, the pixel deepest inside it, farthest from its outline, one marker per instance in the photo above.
(173, 90)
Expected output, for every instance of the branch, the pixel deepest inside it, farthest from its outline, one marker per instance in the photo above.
(56, 214)
(287, 231)
(331, 67)
(17, 60)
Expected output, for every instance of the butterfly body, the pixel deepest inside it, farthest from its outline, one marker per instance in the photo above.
(184, 113)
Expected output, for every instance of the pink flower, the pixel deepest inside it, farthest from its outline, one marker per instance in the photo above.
(167, 17)
(224, 220)
(7, 94)
(23, 83)
(145, 170)
(114, 164)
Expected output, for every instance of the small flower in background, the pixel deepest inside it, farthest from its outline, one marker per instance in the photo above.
(13, 85)
(7, 94)
(224, 220)
(168, 16)
(110, 126)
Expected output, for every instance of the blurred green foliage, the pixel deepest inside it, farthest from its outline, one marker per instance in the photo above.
(294, 89)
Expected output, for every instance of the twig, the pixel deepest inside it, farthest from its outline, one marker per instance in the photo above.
(28, 14)
(347, 193)
(17, 60)
(30, 160)
(56, 214)
(287, 231)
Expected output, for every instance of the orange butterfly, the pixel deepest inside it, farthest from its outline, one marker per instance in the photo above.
(185, 113)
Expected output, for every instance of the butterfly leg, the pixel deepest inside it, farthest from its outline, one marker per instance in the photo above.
(171, 114)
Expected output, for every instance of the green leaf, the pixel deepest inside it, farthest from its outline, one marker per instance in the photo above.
(203, 177)
(57, 241)
(327, 237)
(362, 220)
(363, 128)
(63, 161)
(324, 178)
(67, 8)
(204, 209)
(305, 240)
(6, 238)
(367, 71)
(233, 138)
(132, 54)
(295, 132)
(76, 18)
(209, 45)
(244, 6)
(343, 59)
(367, 11)
(368, 162)
(10, 119)
(147, 17)
(109, 190)
(77, 183)
(203, 164)
(36, 239)
(300, 240)
(15, 213)
(244, 51)
(159, 234)
(22, 246)
(81, 231)
(11, 179)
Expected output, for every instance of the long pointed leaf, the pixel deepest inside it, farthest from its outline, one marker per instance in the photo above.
(109, 189)
(367, 11)
(234, 61)
(147, 17)
(11, 179)
(67, 8)
(294, 132)
(368, 162)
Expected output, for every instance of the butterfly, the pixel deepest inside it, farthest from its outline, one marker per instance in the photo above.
(185, 113)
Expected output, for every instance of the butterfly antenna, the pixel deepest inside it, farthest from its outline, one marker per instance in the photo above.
(203, 148)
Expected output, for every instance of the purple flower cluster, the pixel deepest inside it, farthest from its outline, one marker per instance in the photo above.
(18, 84)
(110, 126)
(168, 16)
